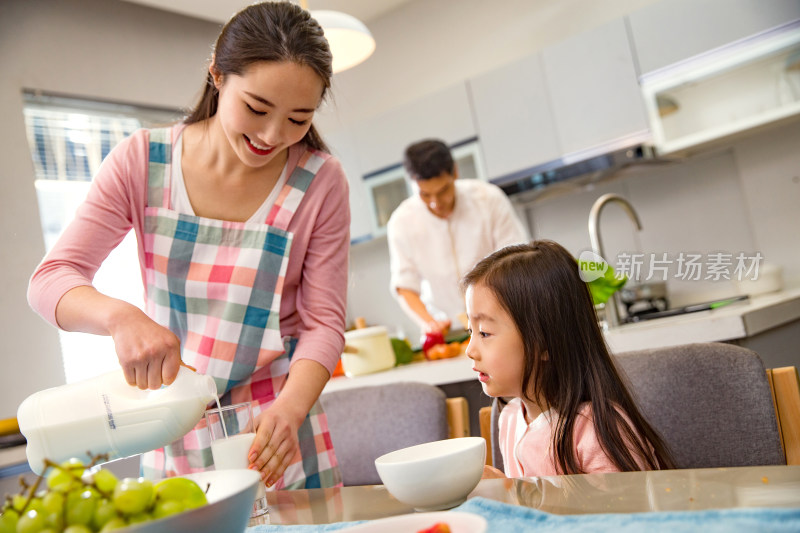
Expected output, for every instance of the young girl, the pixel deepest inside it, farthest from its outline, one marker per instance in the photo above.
(535, 338)
(242, 221)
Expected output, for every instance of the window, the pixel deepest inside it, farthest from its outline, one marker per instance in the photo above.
(68, 139)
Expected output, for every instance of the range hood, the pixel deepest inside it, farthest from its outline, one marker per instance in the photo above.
(581, 167)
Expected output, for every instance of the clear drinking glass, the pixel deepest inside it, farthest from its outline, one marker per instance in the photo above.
(232, 431)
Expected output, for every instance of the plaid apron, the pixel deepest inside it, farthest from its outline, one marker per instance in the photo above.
(217, 285)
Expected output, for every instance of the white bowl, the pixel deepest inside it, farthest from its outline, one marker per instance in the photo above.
(230, 500)
(435, 475)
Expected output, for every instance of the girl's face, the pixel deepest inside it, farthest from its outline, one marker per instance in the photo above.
(495, 347)
(267, 109)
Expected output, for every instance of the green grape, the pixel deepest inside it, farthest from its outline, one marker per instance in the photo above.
(167, 508)
(8, 521)
(104, 512)
(138, 518)
(77, 529)
(181, 489)
(18, 502)
(114, 523)
(53, 502)
(81, 506)
(35, 504)
(60, 480)
(31, 522)
(105, 481)
(54, 520)
(133, 495)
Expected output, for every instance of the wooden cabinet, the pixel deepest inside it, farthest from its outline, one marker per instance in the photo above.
(513, 117)
(672, 30)
(444, 115)
(594, 89)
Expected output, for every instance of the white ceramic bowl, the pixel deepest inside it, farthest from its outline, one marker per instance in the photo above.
(230, 500)
(435, 475)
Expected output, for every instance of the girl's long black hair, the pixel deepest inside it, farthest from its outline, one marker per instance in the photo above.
(566, 359)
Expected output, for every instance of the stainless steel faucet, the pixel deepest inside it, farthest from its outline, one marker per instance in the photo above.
(612, 306)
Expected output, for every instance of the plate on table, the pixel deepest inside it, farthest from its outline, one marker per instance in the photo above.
(411, 523)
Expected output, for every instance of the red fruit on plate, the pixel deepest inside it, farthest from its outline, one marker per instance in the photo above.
(431, 340)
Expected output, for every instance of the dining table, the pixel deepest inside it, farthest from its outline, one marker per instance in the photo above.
(711, 499)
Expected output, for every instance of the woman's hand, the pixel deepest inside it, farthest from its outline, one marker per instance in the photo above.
(148, 352)
(275, 444)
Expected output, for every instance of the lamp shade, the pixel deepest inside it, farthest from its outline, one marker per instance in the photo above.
(349, 39)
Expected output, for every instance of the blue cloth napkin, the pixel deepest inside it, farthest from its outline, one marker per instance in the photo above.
(504, 518)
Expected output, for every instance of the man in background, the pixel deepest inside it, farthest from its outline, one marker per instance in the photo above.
(438, 234)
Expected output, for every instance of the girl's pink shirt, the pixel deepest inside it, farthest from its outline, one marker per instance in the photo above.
(315, 288)
(526, 448)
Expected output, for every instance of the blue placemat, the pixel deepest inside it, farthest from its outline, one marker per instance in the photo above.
(504, 518)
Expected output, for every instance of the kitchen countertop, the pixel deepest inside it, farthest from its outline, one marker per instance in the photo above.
(735, 321)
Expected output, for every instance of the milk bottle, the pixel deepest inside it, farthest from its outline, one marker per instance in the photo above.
(105, 415)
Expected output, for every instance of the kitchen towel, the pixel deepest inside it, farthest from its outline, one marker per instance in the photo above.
(503, 518)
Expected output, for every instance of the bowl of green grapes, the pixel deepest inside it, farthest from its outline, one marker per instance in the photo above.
(73, 498)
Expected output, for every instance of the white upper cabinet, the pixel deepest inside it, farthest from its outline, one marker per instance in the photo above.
(513, 116)
(594, 89)
(343, 147)
(672, 30)
(444, 115)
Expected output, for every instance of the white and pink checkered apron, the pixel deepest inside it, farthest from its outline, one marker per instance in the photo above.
(217, 285)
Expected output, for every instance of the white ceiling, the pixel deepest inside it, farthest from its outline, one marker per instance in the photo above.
(221, 10)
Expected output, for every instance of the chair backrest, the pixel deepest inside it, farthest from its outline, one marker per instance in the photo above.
(785, 383)
(710, 402)
(367, 422)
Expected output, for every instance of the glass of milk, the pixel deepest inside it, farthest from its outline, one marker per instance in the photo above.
(232, 431)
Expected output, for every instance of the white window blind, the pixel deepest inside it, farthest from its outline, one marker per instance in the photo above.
(68, 139)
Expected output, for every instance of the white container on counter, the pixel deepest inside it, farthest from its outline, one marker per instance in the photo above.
(368, 350)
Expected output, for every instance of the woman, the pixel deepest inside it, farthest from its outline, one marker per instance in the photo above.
(242, 221)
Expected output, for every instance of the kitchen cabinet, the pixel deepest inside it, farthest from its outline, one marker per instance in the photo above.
(672, 30)
(594, 90)
(445, 114)
(732, 89)
(513, 116)
(342, 145)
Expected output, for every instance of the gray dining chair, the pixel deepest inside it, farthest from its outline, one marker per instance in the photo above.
(367, 422)
(711, 402)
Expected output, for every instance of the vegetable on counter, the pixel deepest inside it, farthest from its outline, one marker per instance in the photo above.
(434, 347)
(403, 354)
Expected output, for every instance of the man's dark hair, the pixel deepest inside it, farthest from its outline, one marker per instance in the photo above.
(428, 159)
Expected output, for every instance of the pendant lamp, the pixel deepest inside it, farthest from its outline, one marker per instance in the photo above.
(350, 40)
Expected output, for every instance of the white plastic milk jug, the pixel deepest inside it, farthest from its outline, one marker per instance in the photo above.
(105, 415)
